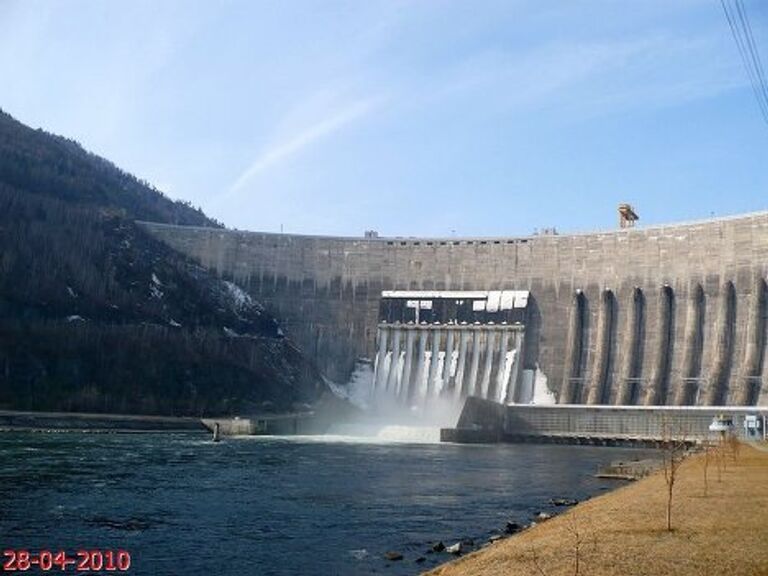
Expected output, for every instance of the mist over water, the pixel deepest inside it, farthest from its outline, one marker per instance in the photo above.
(384, 418)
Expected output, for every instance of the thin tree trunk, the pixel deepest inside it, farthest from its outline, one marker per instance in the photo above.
(669, 509)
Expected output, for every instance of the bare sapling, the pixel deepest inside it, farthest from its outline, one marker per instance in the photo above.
(581, 541)
(707, 459)
(734, 447)
(674, 448)
(537, 563)
(722, 457)
(577, 541)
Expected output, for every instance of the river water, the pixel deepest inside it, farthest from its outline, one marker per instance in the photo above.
(182, 505)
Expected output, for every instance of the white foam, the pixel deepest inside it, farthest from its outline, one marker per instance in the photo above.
(409, 434)
(363, 434)
(542, 395)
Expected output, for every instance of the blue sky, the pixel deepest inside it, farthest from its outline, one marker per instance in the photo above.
(411, 118)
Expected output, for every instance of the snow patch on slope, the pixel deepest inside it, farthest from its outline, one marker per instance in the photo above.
(154, 287)
(241, 300)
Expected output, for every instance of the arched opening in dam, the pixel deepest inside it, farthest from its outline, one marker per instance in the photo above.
(659, 385)
(576, 351)
(600, 389)
(723, 357)
(690, 384)
(632, 368)
(751, 379)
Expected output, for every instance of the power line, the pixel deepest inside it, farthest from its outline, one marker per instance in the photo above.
(751, 64)
(754, 52)
(738, 22)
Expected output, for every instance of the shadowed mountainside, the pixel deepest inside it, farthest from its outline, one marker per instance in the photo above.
(96, 315)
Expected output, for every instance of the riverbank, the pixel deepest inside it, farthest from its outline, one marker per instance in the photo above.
(624, 532)
(11, 420)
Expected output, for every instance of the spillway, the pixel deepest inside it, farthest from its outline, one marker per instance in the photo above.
(457, 344)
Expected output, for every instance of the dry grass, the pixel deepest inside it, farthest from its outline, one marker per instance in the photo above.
(624, 532)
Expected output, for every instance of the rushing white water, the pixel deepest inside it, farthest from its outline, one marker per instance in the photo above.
(381, 432)
(360, 434)
(409, 434)
(416, 365)
(388, 407)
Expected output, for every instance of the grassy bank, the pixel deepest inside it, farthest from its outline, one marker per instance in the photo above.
(724, 531)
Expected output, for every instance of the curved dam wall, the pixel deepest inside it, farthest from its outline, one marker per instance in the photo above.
(666, 315)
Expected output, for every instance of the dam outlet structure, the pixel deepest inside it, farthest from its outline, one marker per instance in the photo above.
(448, 345)
(671, 315)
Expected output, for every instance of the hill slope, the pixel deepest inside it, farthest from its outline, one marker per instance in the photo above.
(95, 315)
(49, 165)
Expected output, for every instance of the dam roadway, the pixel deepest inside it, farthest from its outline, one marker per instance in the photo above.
(664, 315)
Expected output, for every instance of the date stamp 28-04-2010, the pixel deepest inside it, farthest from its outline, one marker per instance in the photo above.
(62, 561)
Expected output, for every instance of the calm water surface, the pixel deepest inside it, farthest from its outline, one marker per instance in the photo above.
(183, 505)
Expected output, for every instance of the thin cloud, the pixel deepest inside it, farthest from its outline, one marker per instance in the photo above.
(282, 151)
(588, 80)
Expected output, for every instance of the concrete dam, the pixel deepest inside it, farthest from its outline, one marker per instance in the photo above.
(666, 315)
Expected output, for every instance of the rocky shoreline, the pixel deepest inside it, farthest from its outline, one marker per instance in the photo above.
(447, 551)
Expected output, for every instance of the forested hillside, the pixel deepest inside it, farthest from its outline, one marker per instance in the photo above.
(45, 164)
(95, 315)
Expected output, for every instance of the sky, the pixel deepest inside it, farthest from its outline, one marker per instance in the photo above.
(418, 118)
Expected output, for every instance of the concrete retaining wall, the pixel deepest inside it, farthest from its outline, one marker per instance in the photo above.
(490, 421)
(269, 424)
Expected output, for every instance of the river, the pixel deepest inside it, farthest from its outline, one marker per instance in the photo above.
(181, 504)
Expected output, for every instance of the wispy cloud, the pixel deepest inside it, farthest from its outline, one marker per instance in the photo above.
(586, 80)
(282, 151)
